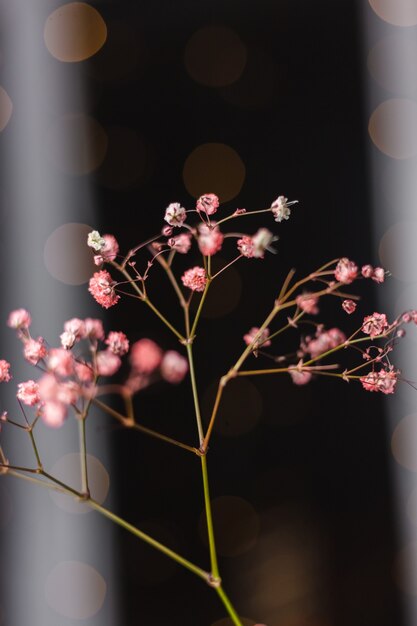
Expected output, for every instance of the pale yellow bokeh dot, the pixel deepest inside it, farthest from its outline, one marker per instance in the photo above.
(392, 62)
(76, 144)
(75, 590)
(236, 525)
(6, 108)
(404, 442)
(214, 168)
(215, 56)
(397, 250)
(67, 256)
(239, 410)
(396, 12)
(393, 128)
(68, 470)
(74, 32)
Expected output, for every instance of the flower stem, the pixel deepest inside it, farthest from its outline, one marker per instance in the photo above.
(83, 456)
(229, 606)
(209, 518)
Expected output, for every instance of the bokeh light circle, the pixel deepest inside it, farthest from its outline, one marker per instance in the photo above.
(6, 108)
(236, 525)
(396, 12)
(75, 590)
(214, 168)
(404, 442)
(74, 32)
(67, 256)
(240, 408)
(397, 250)
(255, 88)
(392, 62)
(68, 470)
(393, 128)
(76, 144)
(215, 56)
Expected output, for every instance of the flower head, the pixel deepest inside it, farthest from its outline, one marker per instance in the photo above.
(346, 271)
(298, 375)
(54, 413)
(181, 243)
(61, 362)
(308, 303)
(145, 356)
(4, 371)
(28, 393)
(195, 278)
(19, 319)
(209, 203)
(210, 239)
(375, 324)
(262, 340)
(173, 367)
(34, 350)
(261, 240)
(102, 289)
(349, 306)
(118, 343)
(281, 208)
(107, 363)
(175, 214)
(95, 241)
(385, 381)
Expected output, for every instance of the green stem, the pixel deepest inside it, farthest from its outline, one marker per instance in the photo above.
(200, 307)
(35, 448)
(163, 319)
(210, 528)
(150, 541)
(229, 606)
(83, 455)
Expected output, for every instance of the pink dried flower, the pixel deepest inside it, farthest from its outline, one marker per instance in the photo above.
(210, 239)
(174, 367)
(209, 203)
(76, 327)
(299, 376)
(28, 393)
(61, 362)
(4, 371)
(280, 209)
(54, 413)
(93, 328)
(102, 289)
(369, 382)
(375, 324)
(245, 246)
(118, 343)
(107, 363)
(384, 381)
(34, 350)
(167, 231)
(195, 278)
(181, 243)
(145, 356)
(378, 275)
(308, 303)
(68, 339)
(349, 306)
(110, 249)
(262, 340)
(52, 390)
(346, 271)
(175, 214)
(19, 319)
(324, 341)
(261, 240)
(367, 271)
(84, 372)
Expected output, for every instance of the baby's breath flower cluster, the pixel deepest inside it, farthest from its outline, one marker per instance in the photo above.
(70, 375)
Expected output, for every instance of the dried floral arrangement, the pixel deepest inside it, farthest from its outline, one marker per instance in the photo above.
(70, 377)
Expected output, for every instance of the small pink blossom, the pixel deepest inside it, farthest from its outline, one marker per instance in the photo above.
(181, 243)
(281, 208)
(262, 340)
(375, 324)
(34, 350)
(61, 362)
(245, 246)
(67, 339)
(76, 327)
(174, 367)
(384, 381)
(118, 343)
(102, 289)
(346, 271)
(210, 239)
(367, 271)
(107, 363)
(299, 376)
(110, 249)
(28, 393)
(4, 371)
(84, 372)
(175, 214)
(308, 303)
(19, 319)
(195, 278)
(145, 356)
(54, 413)
(93, 328)
(52, 390)
(349, 306)
(209, 203)
(378, 275)
(167, 231)
(261, 240)
(324, 341)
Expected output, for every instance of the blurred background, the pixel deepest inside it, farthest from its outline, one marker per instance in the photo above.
(109, 111)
